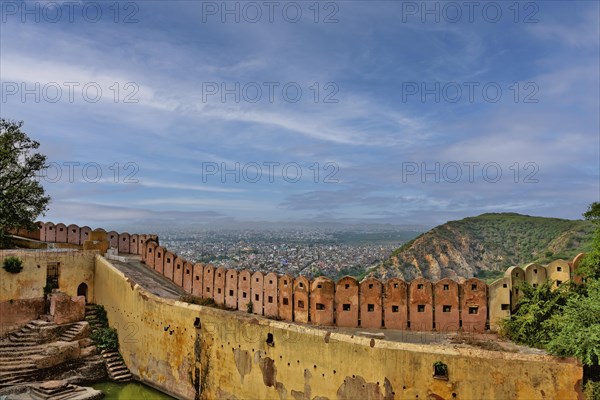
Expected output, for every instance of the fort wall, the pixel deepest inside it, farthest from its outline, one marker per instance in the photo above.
(196, 352)
(421, 305)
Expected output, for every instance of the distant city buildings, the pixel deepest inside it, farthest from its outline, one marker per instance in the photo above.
(309, 253)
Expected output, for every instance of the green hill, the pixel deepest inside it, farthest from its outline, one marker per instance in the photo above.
(486, 245)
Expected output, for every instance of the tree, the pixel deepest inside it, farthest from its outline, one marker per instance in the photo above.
(578, 324)
(593, 212)
(589, 267)
(22, 197)
(531, 323)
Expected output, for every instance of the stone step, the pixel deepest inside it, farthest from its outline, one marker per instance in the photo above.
(15, 354)
(11, 345)
(12, 382)
(122, 377)
(22, 334)
(39, 322)
(15, 351)
(29, 342)
(14, 372)
(16, 348)
(9, 376)
(114, 363)
(21, 338)
(19, 358)
(19, 355)
(17, 362)
(17, 370)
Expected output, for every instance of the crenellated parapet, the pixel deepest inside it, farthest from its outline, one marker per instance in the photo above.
(420, 305)
(445, 305)
(76, 236)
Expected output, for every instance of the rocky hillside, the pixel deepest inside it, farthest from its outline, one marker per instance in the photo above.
(486, 245)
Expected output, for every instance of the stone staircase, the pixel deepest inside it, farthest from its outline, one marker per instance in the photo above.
(30, 333)
(91, 316)
(76, 331)
(17, 350)
(115, 366)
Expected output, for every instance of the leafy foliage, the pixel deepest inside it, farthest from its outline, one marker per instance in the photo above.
(106, 338)
(565, 321)
(490, 276)
(101, 314)
(250, 307)
(531, 323)
(356, 271)
(14, 265)
(592, 390)
(589, 267)
(22, 197)
(593, 212)
(188, 298)
(440, 369)
(577, 327)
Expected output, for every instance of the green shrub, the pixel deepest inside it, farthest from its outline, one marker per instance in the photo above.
(188, 298)
(250, 307)
(531, 324)
(591, 390)
(106, 338)
(101, 315)
(205, 302)
(440, 369)
(14, 265)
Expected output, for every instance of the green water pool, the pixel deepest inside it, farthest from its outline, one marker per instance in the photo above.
(129, 391)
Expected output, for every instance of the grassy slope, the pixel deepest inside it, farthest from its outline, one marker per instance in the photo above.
(508, 238)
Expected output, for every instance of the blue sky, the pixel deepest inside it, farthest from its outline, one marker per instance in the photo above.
(407, 119)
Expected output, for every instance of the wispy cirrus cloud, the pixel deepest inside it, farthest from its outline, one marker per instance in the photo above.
(370, 133)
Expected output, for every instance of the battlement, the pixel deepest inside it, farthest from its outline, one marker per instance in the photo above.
(421, 305)
(173, 344)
